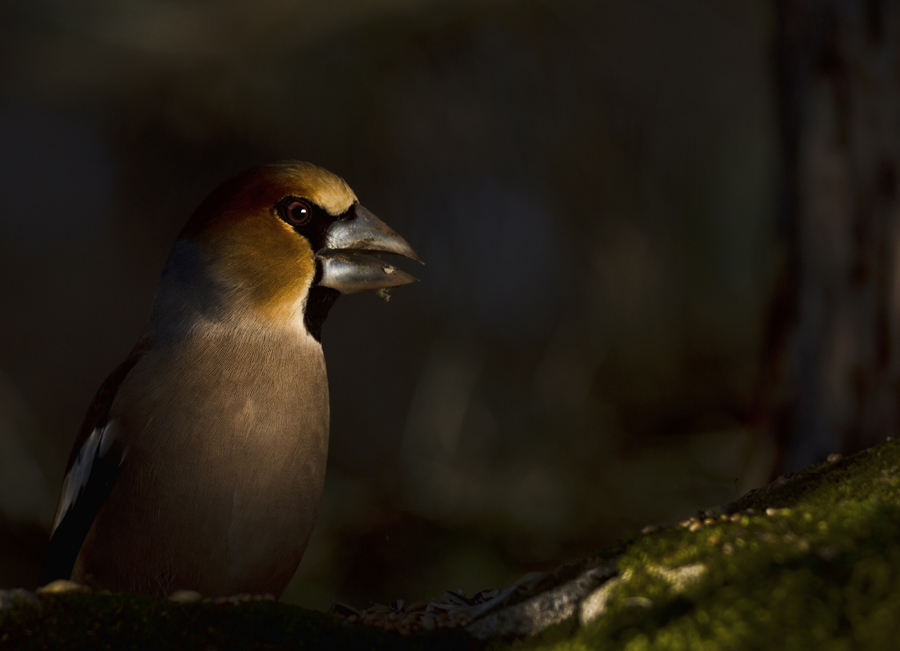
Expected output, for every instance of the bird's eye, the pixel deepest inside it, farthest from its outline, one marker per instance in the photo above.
(297, 212)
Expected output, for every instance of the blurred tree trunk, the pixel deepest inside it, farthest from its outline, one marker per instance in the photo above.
(831, 373)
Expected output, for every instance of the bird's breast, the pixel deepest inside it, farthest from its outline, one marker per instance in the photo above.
(228, 439)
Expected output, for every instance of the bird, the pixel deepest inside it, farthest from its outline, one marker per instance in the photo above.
(201, 460)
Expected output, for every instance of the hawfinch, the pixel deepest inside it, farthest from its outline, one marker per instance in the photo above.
(201, 461)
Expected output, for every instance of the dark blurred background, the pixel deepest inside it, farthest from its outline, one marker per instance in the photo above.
(608, 196)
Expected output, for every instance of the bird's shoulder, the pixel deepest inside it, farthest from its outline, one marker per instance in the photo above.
(100, 406)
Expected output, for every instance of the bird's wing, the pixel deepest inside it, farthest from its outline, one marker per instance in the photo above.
(90, 475)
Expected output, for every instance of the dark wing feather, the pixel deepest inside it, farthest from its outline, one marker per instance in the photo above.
(78, 512)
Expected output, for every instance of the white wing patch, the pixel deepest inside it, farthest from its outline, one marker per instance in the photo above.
(96, 445)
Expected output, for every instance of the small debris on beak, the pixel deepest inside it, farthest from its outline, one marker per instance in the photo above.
(384, 293)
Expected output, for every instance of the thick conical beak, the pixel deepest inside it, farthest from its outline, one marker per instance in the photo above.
(346, 265)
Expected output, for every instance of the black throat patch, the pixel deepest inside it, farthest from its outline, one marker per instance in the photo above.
(318, 303)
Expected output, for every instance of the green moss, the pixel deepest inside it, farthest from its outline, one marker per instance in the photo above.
(820, 571)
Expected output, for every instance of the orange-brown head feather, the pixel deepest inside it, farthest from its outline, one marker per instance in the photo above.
(249, 248)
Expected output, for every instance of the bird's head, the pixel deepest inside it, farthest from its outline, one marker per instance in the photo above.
(284, 241)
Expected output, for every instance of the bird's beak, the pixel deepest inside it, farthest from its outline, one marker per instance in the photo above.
(345, 263)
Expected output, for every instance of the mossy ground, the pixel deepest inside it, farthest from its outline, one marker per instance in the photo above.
(120, 622)
(817, 565)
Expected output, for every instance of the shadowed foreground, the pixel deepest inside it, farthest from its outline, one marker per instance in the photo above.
(810, 561)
